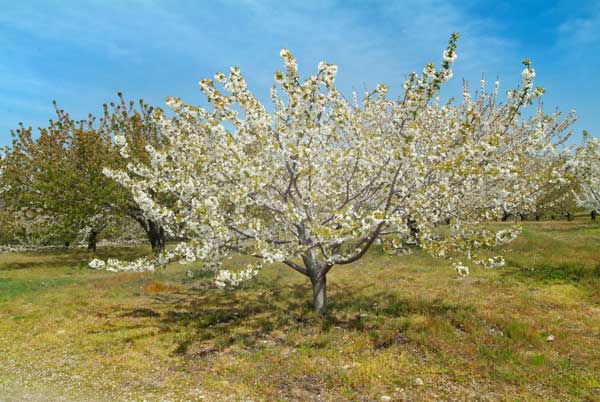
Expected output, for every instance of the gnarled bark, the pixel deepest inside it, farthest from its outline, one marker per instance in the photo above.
(154, 231)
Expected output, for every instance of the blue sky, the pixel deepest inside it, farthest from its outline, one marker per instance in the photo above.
(82, 52)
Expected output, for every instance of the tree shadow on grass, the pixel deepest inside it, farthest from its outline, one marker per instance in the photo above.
(141, 313)
(65, 258)
(211, 320)
(41, 263)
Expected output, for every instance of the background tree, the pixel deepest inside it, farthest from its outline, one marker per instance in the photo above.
(556, 198)
(588, 167)
(561, 201)
(543, 167)
(319, 180)
(58, 175)
(135, 126)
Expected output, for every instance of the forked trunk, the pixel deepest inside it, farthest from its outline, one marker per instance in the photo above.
(317, 272)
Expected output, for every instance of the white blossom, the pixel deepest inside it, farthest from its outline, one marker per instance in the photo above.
(315, 180)
(587, 166)
(120, 140)
(97, 264)
(450, 56)
(461, 269)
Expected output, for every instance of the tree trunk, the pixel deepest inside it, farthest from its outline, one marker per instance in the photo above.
(594, 214)
(92, 241)
(524, 217)
(317, 272)
(155, 232)
(537, 217)
(414, 229)
(156, 235)
(505, 216)
(569, 216)
(319, 285)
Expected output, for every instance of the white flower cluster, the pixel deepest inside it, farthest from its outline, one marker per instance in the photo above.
(505, 236)
(114, 265)
(226, 278)
(492, 262)
(528, 75)
(461, 269)
(588, 170)
(97, 264)
(450, 55)
(120, 140)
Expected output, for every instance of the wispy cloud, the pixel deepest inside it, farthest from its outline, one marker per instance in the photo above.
(582, 31)
(82, 52)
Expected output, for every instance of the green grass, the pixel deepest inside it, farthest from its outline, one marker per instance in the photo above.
(73, 334)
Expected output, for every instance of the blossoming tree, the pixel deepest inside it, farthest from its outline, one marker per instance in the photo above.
(134, 125)
(588, 161)
(314, 182)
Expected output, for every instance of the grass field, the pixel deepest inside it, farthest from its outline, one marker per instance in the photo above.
(403, 328)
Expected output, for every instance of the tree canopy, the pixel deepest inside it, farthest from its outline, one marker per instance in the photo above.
(317, 180)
